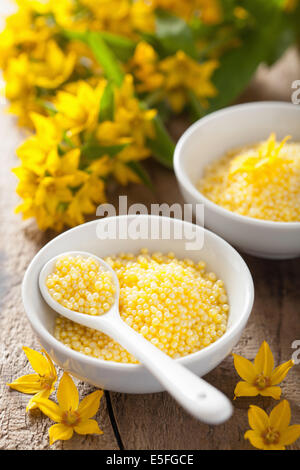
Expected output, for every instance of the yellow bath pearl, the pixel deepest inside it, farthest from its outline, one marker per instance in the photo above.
(255, 183)
(175, 304)
(79, 285)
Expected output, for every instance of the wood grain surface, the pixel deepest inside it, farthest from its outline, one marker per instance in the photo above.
(144, 421)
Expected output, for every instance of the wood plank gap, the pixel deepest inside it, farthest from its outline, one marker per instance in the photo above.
(113, 420)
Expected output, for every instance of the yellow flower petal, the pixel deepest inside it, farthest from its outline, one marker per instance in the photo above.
(90, 426)
(70, 161)
(53, 162)
(274, 446)
(274, 392)
(32, 402)
(51, 365)
(60, 432)
(244, 368)
(243, 389)
(67, 393)
(88, 407)
(256, 441)
(38, 362)
(264, 361)
(46, 128)
(280, 416)
(290, 435)
(49, 408)
(280, 372)
(27, 384)
(258, 419)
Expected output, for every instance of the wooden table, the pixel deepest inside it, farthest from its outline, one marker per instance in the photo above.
(144, 421)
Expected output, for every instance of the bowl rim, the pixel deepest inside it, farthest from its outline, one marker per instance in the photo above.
(194, 192)
(42, 331)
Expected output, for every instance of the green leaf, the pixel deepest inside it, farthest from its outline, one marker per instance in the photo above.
(104, 46)
(162, 146)
(62, 206)
(174, 34)
(105, 58)
(258, 45)
(76, 35)
(141, 173)
(92, 151)
(48, 106)
(67, 140)
(122, 47)
(107, 104)
(196, 109)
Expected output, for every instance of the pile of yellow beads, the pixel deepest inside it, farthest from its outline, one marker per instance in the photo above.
(260, 181)
(81, 284)
(175, 304)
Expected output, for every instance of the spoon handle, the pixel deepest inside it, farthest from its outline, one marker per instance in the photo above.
(196, 396)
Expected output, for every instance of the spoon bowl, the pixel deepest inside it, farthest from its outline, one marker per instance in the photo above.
(196, 396)
(83, 319)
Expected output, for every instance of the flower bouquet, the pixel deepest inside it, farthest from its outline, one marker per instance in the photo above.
(96, 81)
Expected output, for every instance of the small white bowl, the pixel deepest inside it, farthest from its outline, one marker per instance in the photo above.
(208, 140)
(134, 378)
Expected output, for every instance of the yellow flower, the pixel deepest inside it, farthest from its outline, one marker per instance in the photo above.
(41, 385)
(133, 121)
(132, 125)
(46, 178)
(240, 13)
(18, 83)
(208, 10)
(260, 377)
(48, 134)
(79, 110)
(142, 16)
(266, 156)
(69, 414)
(182, 73)
(124, 174)
(19, 89)
(63, 11)
(272, 432)
(54, 188)
(91, 193)
(144, 66)
(49, 69)
(122, 17)
(61, 174)
(54, 68)
(290, 5)
(23, 32)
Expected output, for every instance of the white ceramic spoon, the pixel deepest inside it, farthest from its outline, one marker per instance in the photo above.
(196, 396)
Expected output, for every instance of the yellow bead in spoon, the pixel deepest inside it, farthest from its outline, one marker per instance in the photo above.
(196, 396)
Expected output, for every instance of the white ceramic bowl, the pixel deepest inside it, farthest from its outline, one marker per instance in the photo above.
(208, 140)
(134, 378)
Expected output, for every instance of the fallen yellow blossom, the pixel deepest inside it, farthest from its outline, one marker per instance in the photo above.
(41, 385)
(260, 377)
(272, 432)
(69, 414)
